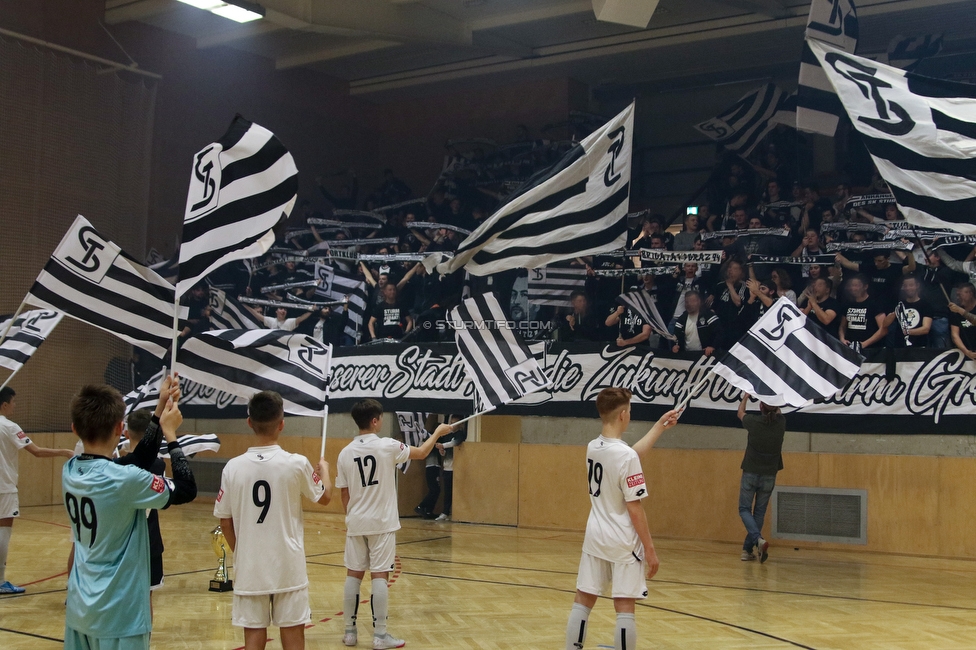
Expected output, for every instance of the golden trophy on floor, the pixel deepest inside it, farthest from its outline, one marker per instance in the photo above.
(220, 580)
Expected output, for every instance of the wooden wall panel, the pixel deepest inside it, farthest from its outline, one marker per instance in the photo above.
(957, 508)
(486, 483)
(552, 487)
(903, 497)
(501, 428)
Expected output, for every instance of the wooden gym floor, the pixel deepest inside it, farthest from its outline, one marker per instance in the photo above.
(465, 586)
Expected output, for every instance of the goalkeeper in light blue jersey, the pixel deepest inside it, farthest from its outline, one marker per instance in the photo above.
(108, 587)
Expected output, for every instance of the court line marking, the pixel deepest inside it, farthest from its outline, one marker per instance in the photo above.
(714, 586)
(41, 521)
(32, 635)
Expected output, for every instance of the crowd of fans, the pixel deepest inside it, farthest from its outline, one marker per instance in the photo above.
(774, 235)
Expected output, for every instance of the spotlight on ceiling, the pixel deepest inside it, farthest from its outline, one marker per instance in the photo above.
(237, 10)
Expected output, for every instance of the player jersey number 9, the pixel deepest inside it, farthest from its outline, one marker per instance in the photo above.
(261, 495)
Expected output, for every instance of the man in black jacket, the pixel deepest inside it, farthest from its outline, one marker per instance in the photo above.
(698, 328)
(762, 460)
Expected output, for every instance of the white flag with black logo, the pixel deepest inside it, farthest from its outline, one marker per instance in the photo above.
(92, 280)
(743, 125)
(26, 335)
(243, 362)
(226, 313)
(643, 303)
(145, 396)
(785, 360)
(496, 358)
(414, 432)
(337, 285)
(907, 53)
(576, 207)
(553, 285)
(818, 109)
(242, 188)
(921, 133)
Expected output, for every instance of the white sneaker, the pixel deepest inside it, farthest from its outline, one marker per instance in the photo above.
(350, 638)
(762, 548)
(748, 556)
(442, 517)
(387, 641)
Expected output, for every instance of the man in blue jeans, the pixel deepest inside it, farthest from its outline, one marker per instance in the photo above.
(762, 460)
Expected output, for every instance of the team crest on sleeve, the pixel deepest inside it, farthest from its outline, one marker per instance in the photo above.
(635, 479)
(220, 495)
(158, 484)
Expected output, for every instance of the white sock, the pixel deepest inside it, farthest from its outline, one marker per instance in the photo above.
(380, 602)
(4, 549)
(625, 638)
(576, 628)
(350, 601)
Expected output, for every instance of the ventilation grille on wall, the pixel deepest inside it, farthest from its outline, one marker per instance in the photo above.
(820, 515)
(207, 472)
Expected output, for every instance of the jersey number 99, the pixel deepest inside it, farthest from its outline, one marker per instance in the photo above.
(82, 515)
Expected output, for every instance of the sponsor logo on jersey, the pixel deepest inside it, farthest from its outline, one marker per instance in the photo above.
(22, 435)
(635, 480)
(220, 495)
(315, 478)
(402, 446)
(158, 484)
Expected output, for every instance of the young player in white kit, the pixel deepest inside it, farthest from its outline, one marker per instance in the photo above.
(366, 474)
(260, 511)
(617, 547)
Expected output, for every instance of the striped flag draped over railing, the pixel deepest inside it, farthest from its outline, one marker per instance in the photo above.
(92, 280)
(643, 303)
(784, 359)
(242, 188)
(920, 132)
(553, 285)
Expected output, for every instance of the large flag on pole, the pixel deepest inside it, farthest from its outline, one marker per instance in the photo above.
(576, 207)
(552, 285)
(818, 109)
(743, 125)
(242, 188)
(26, 335)
(921, 133)
(336, 285)
(243, 362)
(496, 358)
(92, 280)
(784, 359)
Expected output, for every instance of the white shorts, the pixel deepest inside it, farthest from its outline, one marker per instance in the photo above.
(376, 553)
(9, 505)
(596, 574)
(285, 609)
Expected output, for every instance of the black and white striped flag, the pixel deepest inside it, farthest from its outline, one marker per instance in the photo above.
(743, 125)
(907, 53)
(226, 313)
(412, 426)
(818, 108)
(576, 207)
(242, 188)
(785, 360)
(921, 133)
(243, 362)
(643, 303)
(92, 280)
(169, 269)
(191, 444)
(496, 358)
(25, 335)
(551, 285)
(337, 285)
(145, 396)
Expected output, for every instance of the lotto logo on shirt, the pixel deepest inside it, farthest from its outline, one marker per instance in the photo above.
(635, 480)
(158, 484)
(220, 495)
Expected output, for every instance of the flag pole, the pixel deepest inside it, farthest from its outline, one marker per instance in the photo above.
(471, 417)
(176, 331)
(325, 426)
(7, 381)
(699, 386)
(3, 336)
